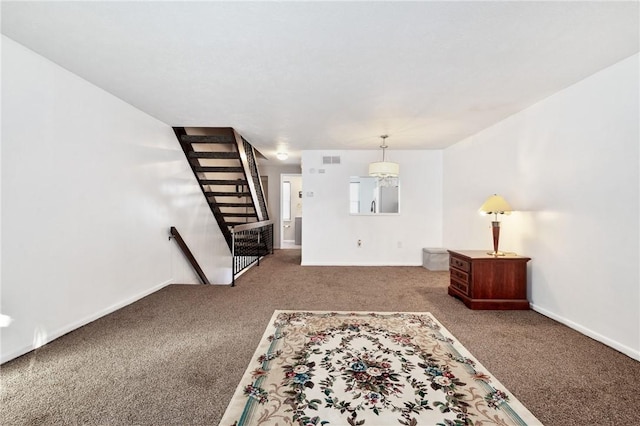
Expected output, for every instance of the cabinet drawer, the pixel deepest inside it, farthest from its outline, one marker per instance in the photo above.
(459, 263)
(464, 288)
(459, 275)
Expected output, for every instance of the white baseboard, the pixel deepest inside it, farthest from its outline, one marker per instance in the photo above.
(630, 352)
(360, 264)
(84, 321)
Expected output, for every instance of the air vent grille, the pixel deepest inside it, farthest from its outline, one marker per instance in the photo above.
(331, 159)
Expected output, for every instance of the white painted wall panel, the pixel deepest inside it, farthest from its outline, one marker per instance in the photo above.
(330, 233)
(90, 187)
(569, 165)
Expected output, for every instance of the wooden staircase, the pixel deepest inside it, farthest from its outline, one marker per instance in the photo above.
(224, 164)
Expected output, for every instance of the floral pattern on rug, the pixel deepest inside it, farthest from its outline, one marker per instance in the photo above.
(370, 369)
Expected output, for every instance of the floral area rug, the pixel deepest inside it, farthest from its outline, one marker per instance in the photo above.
(370, 369)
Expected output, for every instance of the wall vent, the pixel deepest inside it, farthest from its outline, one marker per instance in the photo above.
(331, 159)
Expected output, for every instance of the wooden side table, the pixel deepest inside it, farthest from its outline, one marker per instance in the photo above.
(484, 281)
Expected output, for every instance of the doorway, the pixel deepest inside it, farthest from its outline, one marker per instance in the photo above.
(290, 211)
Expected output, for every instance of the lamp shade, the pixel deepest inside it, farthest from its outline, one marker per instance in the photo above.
(384, 169)
(496, 205)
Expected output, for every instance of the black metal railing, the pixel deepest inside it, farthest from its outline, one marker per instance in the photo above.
(250, 242)
(255, 176)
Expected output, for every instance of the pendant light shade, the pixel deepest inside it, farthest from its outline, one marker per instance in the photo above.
(384, 169)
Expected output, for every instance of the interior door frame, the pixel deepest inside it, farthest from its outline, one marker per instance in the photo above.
(283, 177)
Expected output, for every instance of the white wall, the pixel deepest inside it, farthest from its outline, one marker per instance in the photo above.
(330, 233)
(90, 187)
(570, 165)
(273, 171)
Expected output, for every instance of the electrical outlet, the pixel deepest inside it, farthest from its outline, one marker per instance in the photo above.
(359, 243)
(399, 244)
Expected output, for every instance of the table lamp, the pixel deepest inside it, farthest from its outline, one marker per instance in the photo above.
(495, 205)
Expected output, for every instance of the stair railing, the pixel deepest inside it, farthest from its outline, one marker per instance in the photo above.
(255, 176)
(250, 242)
(248, 159)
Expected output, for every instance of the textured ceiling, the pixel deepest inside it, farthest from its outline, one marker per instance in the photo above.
(330, 75)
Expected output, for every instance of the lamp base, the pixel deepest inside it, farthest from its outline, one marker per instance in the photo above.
(495, 227)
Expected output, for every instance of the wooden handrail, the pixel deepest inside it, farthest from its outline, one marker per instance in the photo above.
(251, 225)
(187, 253)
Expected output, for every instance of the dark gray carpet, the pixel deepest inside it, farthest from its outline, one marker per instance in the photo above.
(176, 356)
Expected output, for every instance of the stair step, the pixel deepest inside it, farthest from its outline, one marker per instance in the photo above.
(235, 204)
(238, 214)
(224, 139)
(218, 155)
(223, 181)
(227, 194)
(207, 169)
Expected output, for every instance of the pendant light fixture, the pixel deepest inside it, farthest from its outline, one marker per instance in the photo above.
(384, 169)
